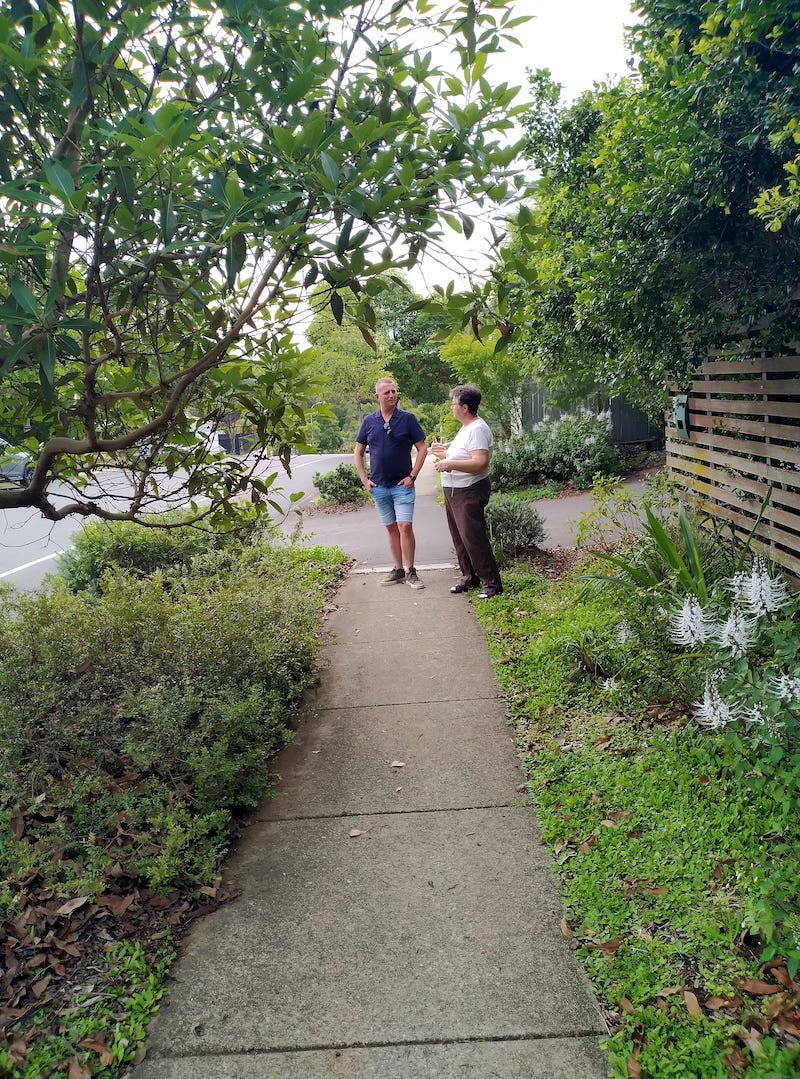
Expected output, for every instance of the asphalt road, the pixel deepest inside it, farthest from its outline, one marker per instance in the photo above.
(30, 544)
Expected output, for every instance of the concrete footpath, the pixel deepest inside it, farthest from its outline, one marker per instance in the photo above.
(398, 918)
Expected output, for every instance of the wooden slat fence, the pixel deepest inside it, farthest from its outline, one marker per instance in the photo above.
(744, 434)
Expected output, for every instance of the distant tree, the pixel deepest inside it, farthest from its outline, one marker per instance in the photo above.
(497, 374)
(173, 177)
(410, 341)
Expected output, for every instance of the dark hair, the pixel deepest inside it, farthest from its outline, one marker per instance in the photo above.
(467, 395)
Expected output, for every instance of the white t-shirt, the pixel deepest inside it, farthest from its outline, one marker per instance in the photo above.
(472, 436)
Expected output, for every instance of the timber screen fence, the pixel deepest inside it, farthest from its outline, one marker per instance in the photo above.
(742, 434)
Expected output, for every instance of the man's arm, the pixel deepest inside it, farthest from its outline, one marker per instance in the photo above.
(422, 452)
(358, 459)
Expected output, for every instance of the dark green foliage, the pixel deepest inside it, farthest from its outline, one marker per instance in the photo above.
(515, 526)
(341, 485)
(573, 449)
(100, 545)
(161, 699)
(645, 242)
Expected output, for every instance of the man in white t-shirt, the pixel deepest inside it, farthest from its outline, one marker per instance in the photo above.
(464, 467)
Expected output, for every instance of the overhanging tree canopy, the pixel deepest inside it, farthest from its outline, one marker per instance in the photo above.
(174, 176)
(643, 245)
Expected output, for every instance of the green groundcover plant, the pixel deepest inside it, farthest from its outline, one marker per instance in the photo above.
(666, 774)
(138, 716)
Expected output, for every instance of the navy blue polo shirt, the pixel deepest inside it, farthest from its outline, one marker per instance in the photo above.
(390, 451)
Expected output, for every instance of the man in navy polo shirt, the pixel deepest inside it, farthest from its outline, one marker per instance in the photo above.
(390, 433)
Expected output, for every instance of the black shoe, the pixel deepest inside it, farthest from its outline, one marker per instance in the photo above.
(464, 586)
(488, 592)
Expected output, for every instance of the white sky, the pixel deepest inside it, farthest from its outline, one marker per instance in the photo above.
(581, 42)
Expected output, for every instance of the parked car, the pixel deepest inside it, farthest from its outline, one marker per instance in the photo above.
(16, 466)
(205, 433)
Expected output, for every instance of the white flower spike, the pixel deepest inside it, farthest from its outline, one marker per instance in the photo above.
(713, 712)
(762, 593)
(786, 688)
(737, 632)
(688, 626)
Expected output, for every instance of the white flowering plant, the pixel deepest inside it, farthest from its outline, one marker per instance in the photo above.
(751, 649)
(573, 449)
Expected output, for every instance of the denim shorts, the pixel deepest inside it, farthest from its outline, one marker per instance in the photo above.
(394, 503)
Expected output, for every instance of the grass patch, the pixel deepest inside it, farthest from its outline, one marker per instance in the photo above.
(666, 839)
(535, 492)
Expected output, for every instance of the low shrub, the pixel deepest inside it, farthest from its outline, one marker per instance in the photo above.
(514, 525)
(186, 680)
(576, 448)
(342, 485)
(142, 550)
(573, 450)
(516, 464)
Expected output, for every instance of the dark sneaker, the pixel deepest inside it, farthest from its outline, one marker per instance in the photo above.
(397, 576)
(464, 586)
(488, 592)
(412, 580)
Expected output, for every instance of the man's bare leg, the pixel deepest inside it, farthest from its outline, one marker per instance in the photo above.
(408, 543)
(395, 545)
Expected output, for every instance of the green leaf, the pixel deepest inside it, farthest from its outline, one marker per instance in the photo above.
(24, 297)
(58, 178)
(46, 354)
(330, 168)
(337, 307)
(235, 255)
(123, 183)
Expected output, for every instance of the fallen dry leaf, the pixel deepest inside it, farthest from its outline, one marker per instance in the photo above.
(790, 1024)
(608, 823)
(670, 991)
(565, 929)
(757, 987)
(780, 974)
(100, 1048)
(118, 904)
(610, 947)
(76, 1071)
(38, 988)
(72, 905)
(735, 1061)
(634, 1068)
(626, 1005)
(692, 1005)
(355, 832)
(751, 1038)
(713, 1003)
(17, 823)
(397, 764)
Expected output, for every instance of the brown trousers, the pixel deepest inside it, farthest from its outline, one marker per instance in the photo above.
(466, 520)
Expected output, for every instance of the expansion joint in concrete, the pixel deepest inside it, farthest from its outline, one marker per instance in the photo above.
(504, 1039)
(389, 812)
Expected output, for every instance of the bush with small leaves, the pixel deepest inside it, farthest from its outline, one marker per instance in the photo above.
(514, 525)
(142, 550)
(342, 485)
